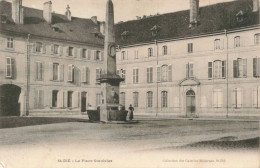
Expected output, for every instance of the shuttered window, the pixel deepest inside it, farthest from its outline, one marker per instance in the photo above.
(85, 75)
(257, 39)
(237, 98)
(217, 98)
(9, 72)
(135, 75)
(135, 99)
(149, 99)
(164, 96)
(236, 42)
(98, 99)
(55, 98)
(217, 69)
(71, 73)
(150, 75)
(98, 75)
(39, 71)
(189, 70)
(69, 100)
(38, 99)
(165, 50)
(256, 67)
(190, 47)
(217, 44)
(256, 97)
(240, 68)
(150, 52)
(38, 47)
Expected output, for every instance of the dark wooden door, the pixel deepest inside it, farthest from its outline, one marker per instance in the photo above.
(83, 102)
(9, 96)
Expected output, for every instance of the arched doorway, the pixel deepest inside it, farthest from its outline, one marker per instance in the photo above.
(190, 103)
(9, 96)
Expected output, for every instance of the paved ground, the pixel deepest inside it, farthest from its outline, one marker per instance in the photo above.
(70, 140)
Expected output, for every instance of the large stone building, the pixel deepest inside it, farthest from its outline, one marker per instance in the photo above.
(49, 62)
(199, 62)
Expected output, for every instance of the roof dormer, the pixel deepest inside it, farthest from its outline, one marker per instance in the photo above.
(155, 30)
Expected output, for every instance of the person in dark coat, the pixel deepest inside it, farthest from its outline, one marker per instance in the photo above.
(131, 109)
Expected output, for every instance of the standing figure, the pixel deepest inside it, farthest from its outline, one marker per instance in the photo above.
(131, 112)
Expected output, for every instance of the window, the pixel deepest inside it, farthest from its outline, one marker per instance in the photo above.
(217, 44)
(135, 75)
(189, 70)
(70, 51)
(257, 39)
(123, 75)
(237, 98)
(84, 53)
(166, 73)
(38, 47)
(135, 99)
(85, 75)
(165, 50)
(123, 55)
(256, 67)
(164, 99)
(98, 75)
(38, 71)
(97, 55)
(10, 43)
(240, 68)
(98, 99)
(256, 97)
(55, 71)
(9, 72)
(55, 49)
(150, 52)
(218, 70)
(190, 47)
(54, 98)
(89, 54)
(237, 42)
(122, 98)
(217, 98)
(71, 73)
(150, 75)
(70, 93)
(38, 99)
(149, 99)
(136, 54)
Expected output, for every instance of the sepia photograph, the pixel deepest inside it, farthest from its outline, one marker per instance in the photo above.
(129, 83)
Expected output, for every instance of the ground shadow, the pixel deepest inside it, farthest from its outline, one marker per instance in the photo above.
(13, 122)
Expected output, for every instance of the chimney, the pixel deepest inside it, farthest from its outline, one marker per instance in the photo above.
(94, 19)
(194, 12)
(47, 11)
(68, 13)
(17, 11)
(102, 27)
(255, 5)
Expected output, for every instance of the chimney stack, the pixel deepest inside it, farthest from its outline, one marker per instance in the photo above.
(194, 12)
(102, 27)
(47, 11)
(17, 11)
(255, 5)
(68, 13)
(94, 19)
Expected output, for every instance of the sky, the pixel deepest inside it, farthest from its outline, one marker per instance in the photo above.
(124, 9)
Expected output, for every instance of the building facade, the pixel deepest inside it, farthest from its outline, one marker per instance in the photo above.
(200, 62)
(49, 62)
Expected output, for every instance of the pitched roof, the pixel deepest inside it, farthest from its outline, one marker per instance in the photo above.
(78, 29)
(212, 19)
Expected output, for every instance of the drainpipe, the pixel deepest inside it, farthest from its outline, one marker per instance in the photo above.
(157, 84)
(27, 71)
(227, 57)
